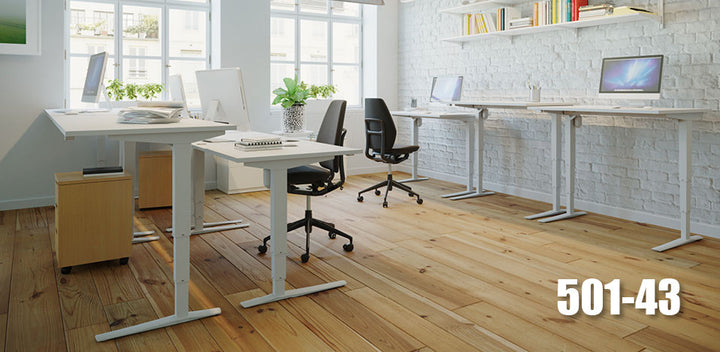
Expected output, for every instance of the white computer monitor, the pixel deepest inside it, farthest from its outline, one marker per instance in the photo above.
(222, 96)
(177, 91)
(634, 77)
(93, 80)
(446, 89)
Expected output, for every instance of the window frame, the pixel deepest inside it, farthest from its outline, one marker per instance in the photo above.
(165, 6)
(330, 18)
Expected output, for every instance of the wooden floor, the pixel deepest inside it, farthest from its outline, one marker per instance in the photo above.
(442, 276)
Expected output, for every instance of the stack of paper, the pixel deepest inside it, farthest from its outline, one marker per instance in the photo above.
(148, 115)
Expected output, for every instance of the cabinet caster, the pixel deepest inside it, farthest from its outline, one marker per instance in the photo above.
(304, 258)
(360, 198)
(348, 247)
(262, 249)
(124, 261)
(377, 192)
(66, 270)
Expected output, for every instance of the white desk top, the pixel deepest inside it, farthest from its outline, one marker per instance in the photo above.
(105, 123)
(294, 150)
(506, 104)
(451, 115)
(676, 113)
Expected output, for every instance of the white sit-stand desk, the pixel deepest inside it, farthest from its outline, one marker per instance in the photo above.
(180, 136)
(275, 163)
(467, 118)
(685, 117)
(482, 107)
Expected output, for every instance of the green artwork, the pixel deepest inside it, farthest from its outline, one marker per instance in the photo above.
(13, 22)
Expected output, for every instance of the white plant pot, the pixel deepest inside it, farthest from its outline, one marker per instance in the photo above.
(293, 119)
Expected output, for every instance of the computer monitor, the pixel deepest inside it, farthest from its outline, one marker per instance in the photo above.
(177, 91)
(94, 78)
(222, 96)
(446, 89)
(635, 77)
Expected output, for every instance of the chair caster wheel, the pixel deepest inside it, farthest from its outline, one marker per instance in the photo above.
(360, 198)
(419, 201)
(304, 258)
(377, 192)
(66, 270)
(332, 235)
(262, 249)
(385, 204)
(411, 195)
(348, 247)
(124, 261)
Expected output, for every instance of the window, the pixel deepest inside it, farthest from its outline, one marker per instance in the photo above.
(320, 41)
(146, 40)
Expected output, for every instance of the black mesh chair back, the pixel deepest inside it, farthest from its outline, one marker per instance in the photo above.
(375, 109)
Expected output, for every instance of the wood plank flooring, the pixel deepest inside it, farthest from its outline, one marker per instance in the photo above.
(442, 276)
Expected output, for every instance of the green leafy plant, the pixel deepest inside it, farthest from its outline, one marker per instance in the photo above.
(297, 93)
(118, 90)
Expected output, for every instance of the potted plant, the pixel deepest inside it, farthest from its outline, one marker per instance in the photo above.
(293, 98)
(119, 91)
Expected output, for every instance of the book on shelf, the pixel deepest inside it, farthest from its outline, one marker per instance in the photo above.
(478, 23)
(521, 23)
(505, 15)
(556, 11)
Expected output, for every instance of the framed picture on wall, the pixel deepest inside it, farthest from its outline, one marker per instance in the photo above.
(20, 27)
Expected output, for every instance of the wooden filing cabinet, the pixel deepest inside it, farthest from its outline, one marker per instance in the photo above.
(93, 219)
(155, 179)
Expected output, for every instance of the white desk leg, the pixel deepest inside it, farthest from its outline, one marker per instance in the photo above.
(128, 156)
(278, 245)
(417, 122)
(573, 122)
(198, 189)
(556, 146)
(684, 161)
(181, 252)
(476, 135)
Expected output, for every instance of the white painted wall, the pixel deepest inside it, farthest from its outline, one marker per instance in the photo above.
(31, 148)
(627, 167)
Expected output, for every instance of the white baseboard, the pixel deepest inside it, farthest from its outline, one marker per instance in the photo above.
(708, 230)
(27, 203)
(210, 185)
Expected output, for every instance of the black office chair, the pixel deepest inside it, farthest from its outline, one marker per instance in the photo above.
(380, 146)
(312, 180)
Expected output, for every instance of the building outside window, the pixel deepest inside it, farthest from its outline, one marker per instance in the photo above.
(146, 41)
(320, 41)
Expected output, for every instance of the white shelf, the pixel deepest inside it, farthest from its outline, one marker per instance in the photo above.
(481, 6)
(603, 20)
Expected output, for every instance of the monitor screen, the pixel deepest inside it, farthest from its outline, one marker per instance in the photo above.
(94, 77)
(446, 88)
(631, 75)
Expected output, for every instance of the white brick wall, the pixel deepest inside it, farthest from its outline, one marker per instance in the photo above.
(622, 162)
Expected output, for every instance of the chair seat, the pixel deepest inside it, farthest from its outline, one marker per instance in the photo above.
(403, 149)
(308, 174)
